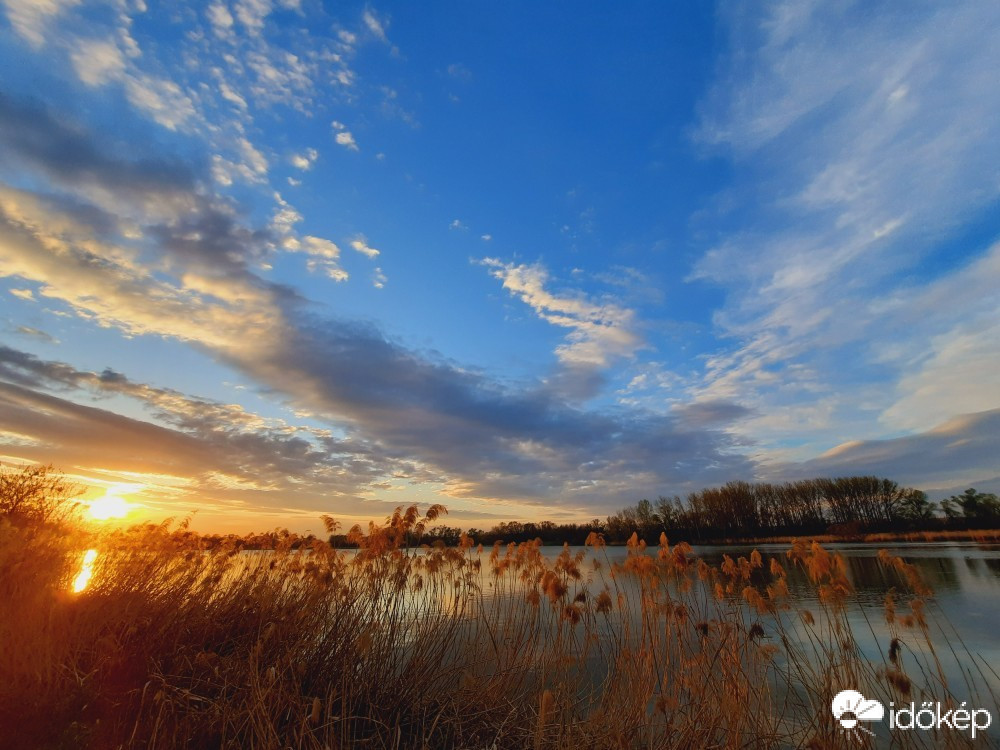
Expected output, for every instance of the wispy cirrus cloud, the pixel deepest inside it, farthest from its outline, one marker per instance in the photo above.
(375, 24)
(872, 137)
(31, 17)
(37, 334)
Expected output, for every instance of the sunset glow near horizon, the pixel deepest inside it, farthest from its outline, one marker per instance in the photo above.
(266, 260)
(109, 506)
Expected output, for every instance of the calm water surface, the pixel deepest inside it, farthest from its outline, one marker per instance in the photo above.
(963, 613)
(965, 578)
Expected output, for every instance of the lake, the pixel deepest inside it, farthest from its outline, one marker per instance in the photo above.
(957, 664)
(963, 613)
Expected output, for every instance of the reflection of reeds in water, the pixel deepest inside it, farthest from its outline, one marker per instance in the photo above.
(171, 645)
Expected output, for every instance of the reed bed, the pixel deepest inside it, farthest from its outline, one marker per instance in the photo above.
(394, 645)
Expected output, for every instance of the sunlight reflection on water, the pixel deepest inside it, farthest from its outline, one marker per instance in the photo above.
(86, 571)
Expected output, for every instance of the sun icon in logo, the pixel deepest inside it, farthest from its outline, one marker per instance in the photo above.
(850, 708)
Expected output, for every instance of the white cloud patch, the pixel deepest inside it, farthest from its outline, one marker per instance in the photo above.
(305, 160)
(161, 99)
(320, 247)
(248, 165)
(252, 13)
(98, 61)
(361, 245)
(285, 219)
(229, 94)
(335, 272)
(221, 19)
(281, 77)
(343, 136)
(323, 255)
(379, 279)
(25, 294)
(30, 17)
(599, 332)
(375, 24)
(253, 158)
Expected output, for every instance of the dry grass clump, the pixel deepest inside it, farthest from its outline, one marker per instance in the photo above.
(396, 646)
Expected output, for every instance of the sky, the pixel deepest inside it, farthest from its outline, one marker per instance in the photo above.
(266, 259)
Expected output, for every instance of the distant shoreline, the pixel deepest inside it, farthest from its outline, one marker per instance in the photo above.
(986, 536)
(983, 536)
(989, 536)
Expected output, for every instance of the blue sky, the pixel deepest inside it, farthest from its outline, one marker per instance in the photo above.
(266, 259)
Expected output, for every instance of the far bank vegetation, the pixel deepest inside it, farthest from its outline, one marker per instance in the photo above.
(840, 508)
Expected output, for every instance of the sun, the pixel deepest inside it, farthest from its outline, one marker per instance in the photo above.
(109, 506)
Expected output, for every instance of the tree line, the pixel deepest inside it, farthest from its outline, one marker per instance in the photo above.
(811, 506)
(740, 509)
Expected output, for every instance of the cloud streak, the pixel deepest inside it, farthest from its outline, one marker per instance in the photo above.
(598, 333)
(873, 138)
(218, 449)
(457, 429)
(959, 451)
